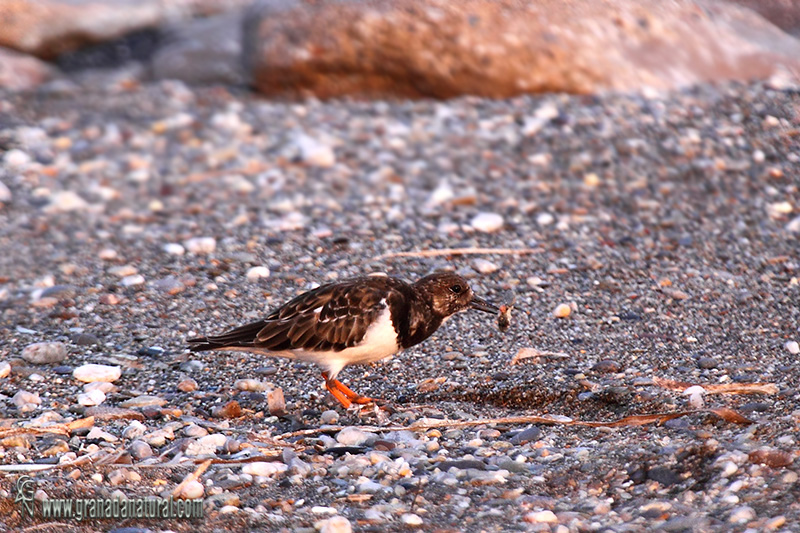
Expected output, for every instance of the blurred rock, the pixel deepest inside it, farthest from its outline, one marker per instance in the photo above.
(499, 49)
(785, 14)
(202, 51)
(20, 72)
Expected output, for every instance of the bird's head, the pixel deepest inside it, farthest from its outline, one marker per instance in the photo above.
(449, 293)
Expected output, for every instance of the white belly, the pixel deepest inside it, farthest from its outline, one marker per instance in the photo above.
(379, 342)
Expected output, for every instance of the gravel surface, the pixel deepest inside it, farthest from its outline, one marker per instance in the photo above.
(663, 237)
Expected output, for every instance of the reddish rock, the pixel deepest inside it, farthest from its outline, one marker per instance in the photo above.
(500, 48)
(785, 14)
(19, 71)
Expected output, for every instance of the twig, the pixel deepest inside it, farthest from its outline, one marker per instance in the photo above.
(529, 353)
(460, 251)
(718, 388)
(194, 476)
(728, 415)
(61, 429)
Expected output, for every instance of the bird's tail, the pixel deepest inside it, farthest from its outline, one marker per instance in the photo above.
(241, 337)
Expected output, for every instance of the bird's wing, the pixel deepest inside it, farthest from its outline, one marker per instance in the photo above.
(333, 317)
(330, 317)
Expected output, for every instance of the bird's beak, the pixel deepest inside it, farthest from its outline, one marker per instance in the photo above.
(482, 305)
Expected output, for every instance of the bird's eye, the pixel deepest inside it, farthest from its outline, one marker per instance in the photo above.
(456, 289)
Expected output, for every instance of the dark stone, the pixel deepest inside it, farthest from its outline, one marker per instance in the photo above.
(84, 339)
(664, 475)
(526, 435)
(607, 366)
(461, 464)
(707, 363)
(754, 407)
(63, 370)
(266, 370)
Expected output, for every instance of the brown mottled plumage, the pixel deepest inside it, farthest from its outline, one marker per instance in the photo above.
(353, 321)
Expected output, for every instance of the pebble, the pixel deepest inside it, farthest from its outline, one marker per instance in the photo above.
(144, 400)
(158, 438)
(5, 369)
(93, 397)
(173, 248)
(487, 222)
(276, 402)
(314, 152)
(5, 193)
(123, 271)
(26, 401)
(97, 433)
(93, 372)
(264, 469)
(607, 366)
(65, 201)
(351, 436)
(252, 385)
(541, 517)
(187, 385)
(43, 353)
(484, 266)
(192, 490)
(530, 434)
(134, 430)
(562, 311)
(794, 225)
(793, 347)
(411, 519)
(257, 272)
(201, 245)
(193, 430)
(329, 417)
(336, 524)
(16, 158)
(132, 281)
(741, 515)
(707, 363)
(545, 219)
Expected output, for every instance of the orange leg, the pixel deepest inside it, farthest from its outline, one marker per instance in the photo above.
(344, 394)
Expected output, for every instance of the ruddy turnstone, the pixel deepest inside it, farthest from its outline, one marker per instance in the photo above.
(354, 321)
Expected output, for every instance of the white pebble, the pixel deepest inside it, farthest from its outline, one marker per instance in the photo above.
(487, 222)
(5, 193)
(97, 433)
(545, 219)
(542, 517)
(442, 194)
(336, 524)
(314, 152)
(26, 401)
(201, 245)
(264, 469)
(192, 490)
(257, 272)
(93, 397)
(793, 347)
(252, 385)
(16, 158)
(793, 226)
(173, 248)
(63, 201)
(351, 436)
(485, 266)
(411, 519)
(132, 281)
(92, 372)
(5, 369)
(742, 514)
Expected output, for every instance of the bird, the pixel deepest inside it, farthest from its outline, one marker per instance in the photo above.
(353, 321)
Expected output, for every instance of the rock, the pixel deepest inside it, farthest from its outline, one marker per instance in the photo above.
(545, 219)
(487, 222)
(562, 311)
(26, 401)
(93, 397)
(330, 417)
(793, 347)
(187, 385)
(65, 201)
(174, 248)
(132, 281)
(92, 372)
(144, 400)
(49, 28)
(20, 72)
(257, 272)
(707, 363)
(526, 435)
(351, 436)
(484, 266)
(264, 469)
(411, 519)
(232, 409)
(276, 403)
(5, 369)
(159, 437)
(193, 430)
(201, 245)
(741, 515)
(206, 445)
(113, 413)
(5, 192)
(505, 48)
(202, 51)
(43, 353)
(336, 524)
(607, 366)
(98, 434)
(315, 152)
(84, 339)
(134, 430)
(252, 385)
(192, 490)
(16, 158)
(541, 517)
